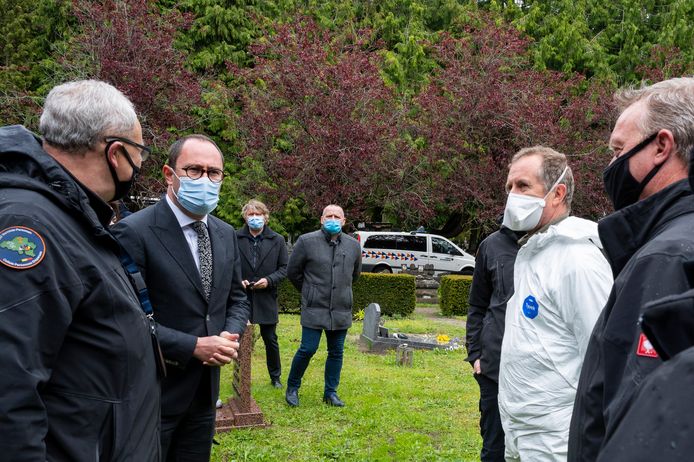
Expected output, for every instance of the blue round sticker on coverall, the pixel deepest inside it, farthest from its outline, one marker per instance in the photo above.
(530, 307)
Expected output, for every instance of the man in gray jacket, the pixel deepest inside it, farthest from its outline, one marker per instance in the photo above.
(323, 266)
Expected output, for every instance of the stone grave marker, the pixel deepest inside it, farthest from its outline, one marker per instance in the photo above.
(241, 410)
(378, 338)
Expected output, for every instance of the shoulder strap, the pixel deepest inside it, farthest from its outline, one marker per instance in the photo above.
(137, 281)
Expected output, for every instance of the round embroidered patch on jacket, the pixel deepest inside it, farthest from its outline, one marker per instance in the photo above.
(21, 248)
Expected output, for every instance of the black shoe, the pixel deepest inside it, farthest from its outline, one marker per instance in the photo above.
(333, 400)
(276, 383)
(292, 397)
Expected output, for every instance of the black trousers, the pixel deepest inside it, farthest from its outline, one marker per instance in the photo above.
(272, 350)
(187, 437)
(490, 422)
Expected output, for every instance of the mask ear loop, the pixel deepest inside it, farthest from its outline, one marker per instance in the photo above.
(556, 183)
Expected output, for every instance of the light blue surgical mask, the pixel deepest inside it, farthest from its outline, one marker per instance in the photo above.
(200, 196)
(332, 226)
(255, 222)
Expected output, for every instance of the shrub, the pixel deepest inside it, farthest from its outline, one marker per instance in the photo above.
(395, 293)
(288, 298)
(454, 292)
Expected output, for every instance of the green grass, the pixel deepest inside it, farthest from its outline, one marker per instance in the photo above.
(424, 413)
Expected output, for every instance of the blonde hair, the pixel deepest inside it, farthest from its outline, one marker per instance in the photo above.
(255, 205)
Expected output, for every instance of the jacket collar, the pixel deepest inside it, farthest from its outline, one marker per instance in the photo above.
(515, 236)
(245, 244)
(267, 233)
(167, 229)
(625, 231)
(27, 166)
(328, 237)
(524, 239)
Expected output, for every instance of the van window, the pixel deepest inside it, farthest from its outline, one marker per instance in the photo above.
(383, 241)
(441, 246)
(396, 242)
(412, 243)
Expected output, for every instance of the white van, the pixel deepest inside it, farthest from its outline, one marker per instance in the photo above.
(386, 252)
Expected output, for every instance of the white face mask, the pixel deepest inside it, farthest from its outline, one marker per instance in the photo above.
(523, 212)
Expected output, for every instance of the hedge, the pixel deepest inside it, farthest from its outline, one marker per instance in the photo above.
(395, 293)
(454, 292)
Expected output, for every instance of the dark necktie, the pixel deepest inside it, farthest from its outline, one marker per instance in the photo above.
(205, 254)
(256, 251)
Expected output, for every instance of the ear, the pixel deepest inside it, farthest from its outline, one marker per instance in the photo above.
(665, 144)
(167, 171)
(559, 194)
(112, 154)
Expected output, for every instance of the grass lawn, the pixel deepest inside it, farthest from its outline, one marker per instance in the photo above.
(424, 413)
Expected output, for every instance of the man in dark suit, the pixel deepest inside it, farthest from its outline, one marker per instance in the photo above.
(190, 261)
(263, 267)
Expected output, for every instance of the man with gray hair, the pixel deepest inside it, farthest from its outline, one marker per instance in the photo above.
(77, 350)
(561, 282)
(647, 241)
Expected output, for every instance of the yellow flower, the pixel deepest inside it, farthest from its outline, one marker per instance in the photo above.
(443, 338)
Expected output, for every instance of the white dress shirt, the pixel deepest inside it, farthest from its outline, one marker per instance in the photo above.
(186, 224)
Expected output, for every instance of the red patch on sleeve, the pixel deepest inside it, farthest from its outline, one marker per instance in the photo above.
(645, 347)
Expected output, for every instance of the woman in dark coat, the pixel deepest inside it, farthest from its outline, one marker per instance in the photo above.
(263, 266)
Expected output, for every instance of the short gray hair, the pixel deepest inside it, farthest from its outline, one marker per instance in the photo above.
(553, 165)
(669, 105)
(77, 115)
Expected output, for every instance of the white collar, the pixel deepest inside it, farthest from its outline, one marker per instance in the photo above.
(183, 219)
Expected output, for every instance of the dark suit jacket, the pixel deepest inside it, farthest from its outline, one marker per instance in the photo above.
(272, 265)
(156, 242)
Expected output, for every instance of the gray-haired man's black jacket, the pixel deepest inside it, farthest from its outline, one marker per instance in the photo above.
(657, 423)
(647, 245)
(78, 380)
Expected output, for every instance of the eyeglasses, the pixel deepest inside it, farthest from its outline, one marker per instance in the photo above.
(194, 172)
(145, 151)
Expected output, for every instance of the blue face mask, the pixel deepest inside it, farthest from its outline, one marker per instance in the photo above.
(200, 196)
(332, 226)
(255, 222)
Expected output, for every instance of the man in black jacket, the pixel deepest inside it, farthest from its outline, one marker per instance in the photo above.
(656, 423)
(78, 379)
(647, 240)
(492, 286)
(263, 267)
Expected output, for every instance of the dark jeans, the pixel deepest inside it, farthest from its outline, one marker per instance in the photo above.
(187, 437)
(490, 422)
(272, 350)
(310, 338)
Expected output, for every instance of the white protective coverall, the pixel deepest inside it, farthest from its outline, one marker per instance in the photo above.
(561, 283)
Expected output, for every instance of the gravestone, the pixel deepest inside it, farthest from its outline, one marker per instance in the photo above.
(241, 410)
(372, 316)
(377, 338)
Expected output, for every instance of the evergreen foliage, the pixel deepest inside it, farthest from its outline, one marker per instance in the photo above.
(454, 293)
(395, 293)
(400, 110)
